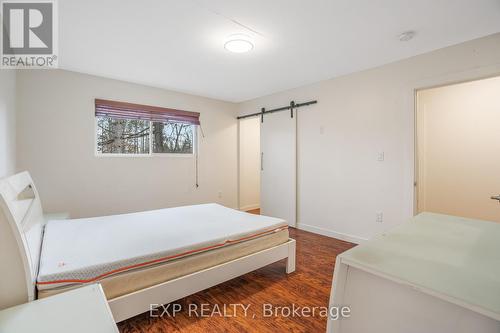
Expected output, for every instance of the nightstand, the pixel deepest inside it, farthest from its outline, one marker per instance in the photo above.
(82, 310)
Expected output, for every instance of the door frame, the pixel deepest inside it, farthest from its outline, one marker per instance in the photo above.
(476, 74)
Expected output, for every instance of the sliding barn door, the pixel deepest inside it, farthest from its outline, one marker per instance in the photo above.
(278, 190)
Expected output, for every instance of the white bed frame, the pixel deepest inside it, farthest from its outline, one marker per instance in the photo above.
(21, 232)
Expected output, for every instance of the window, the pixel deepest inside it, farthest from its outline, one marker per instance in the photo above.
(122, 136)
(132, 129)
(172, 137)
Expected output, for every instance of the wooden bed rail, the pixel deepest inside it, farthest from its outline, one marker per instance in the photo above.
(132, 304)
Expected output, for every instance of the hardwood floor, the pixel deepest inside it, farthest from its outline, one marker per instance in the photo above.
(254, 211)
(308, 286)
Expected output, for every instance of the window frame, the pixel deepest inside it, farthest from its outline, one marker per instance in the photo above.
(151, 153)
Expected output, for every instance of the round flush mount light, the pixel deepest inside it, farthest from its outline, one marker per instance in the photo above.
(406, 36)
(238, 44)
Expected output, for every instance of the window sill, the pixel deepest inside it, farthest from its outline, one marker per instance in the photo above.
(166, 155)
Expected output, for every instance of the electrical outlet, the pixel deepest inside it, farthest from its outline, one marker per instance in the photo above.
(379, 217)
(219, 194)
(381, 156)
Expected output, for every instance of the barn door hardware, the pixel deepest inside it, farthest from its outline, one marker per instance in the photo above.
(290, 107)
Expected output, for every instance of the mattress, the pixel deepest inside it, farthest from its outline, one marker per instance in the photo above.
(88, 250)
(133, 280)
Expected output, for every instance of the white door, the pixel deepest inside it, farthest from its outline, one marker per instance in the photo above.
(278, 192)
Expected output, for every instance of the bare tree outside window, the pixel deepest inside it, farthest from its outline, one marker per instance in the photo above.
(173, 138)
(136, 136)
(122, 136)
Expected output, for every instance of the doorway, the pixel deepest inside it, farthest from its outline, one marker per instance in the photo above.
(268, 166)
(458, 149)
(249, 164)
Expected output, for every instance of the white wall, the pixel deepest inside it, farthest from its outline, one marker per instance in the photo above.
(341, 185)
(459, 149)
(249, 163)
(56, 138)
(7, 122)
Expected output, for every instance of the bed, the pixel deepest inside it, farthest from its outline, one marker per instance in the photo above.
(143, 258)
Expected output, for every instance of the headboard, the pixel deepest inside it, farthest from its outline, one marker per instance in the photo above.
(21, 231)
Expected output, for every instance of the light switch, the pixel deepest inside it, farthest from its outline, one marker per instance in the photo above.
(380, 156)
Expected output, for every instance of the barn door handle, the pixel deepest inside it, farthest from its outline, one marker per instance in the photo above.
(496, 197)
(262, 162)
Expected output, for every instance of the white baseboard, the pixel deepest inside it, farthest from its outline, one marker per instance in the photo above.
(250, 207)
(331, 233)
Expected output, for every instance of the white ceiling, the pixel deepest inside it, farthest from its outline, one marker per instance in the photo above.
(178, 45)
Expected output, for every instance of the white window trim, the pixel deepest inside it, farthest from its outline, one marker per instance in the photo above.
(150, 154)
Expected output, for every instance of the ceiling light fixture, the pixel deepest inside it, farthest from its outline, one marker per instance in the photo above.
(238, 44)
(406, 36)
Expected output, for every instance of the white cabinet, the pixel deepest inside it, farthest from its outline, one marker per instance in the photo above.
(436, 273)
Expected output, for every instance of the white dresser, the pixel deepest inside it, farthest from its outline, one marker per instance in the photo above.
(433, 274)
(82, 310)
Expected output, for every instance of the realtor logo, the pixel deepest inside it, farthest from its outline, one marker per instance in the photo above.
(29, 32)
